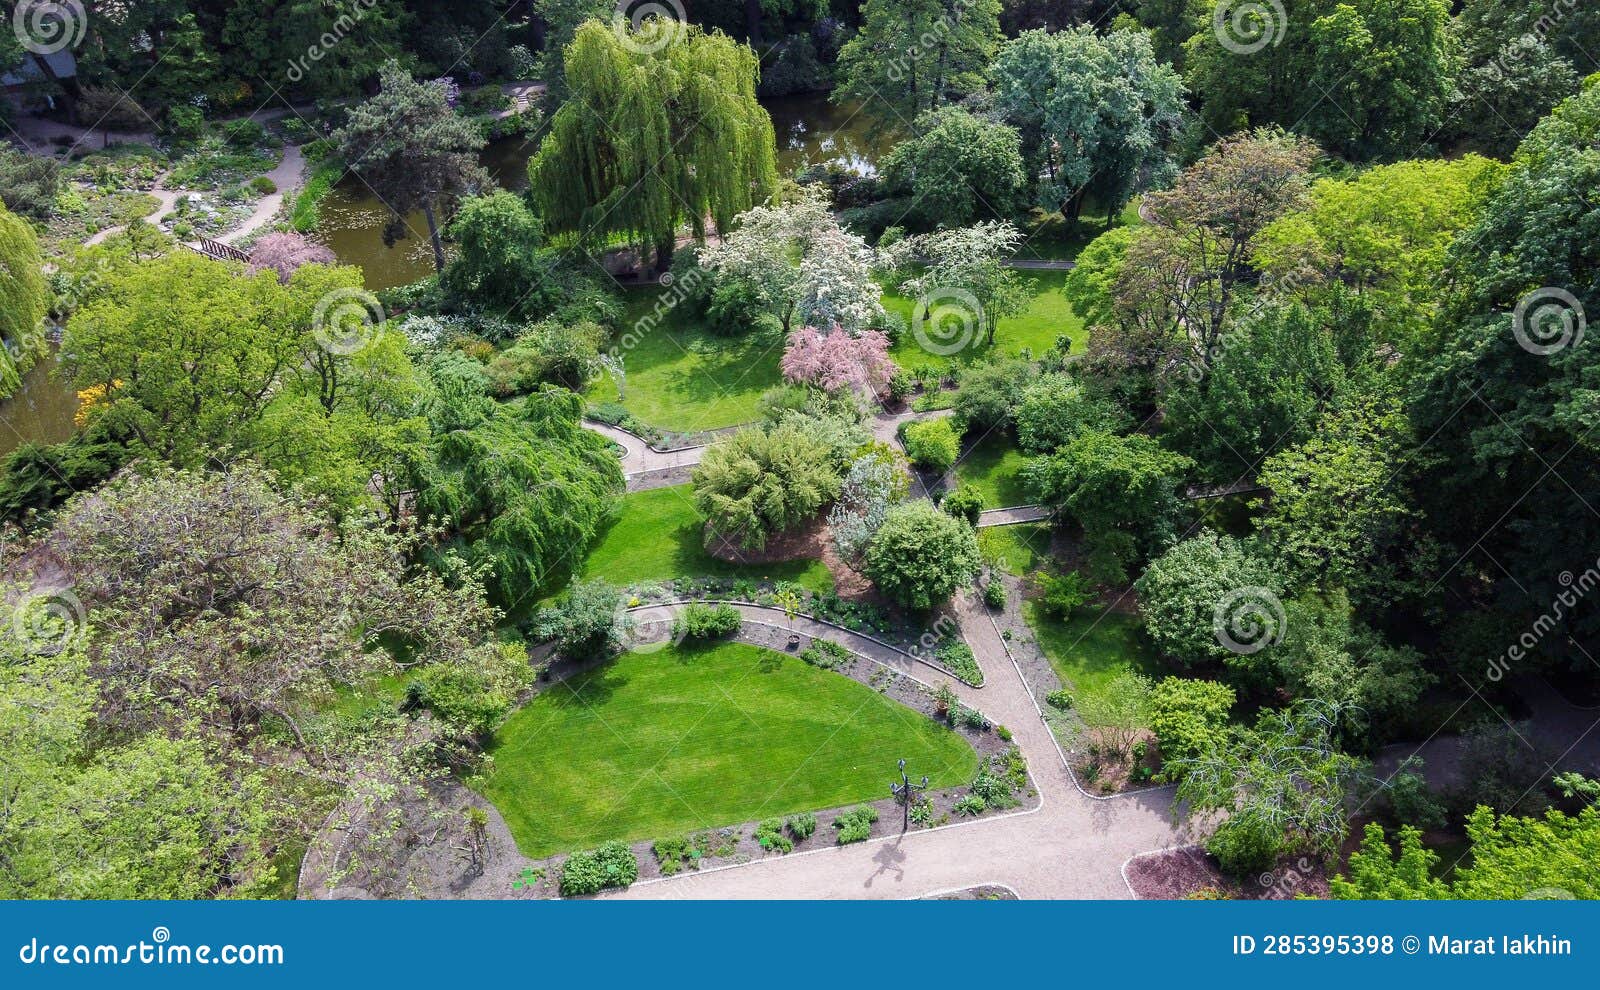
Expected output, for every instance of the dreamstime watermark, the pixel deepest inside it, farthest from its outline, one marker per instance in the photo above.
(1548, 320)
(347, 21)
(646, 636)
(1247, 26)
(45, 27)
(1248, 620)
(1282, 884)
(947, 321)
(159, 951)
(647, 26)
(1574, 590)
(678, 290)
(47, 623)
(1272, 289)
(346, 321)
(1517, 49)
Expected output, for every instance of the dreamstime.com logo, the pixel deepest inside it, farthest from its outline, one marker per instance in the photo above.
(45, 27)
(346, 321)
(1548, 320)
(947, 321)
(1247, 26)
(646, 27)
(159, 951)
(1248, 620)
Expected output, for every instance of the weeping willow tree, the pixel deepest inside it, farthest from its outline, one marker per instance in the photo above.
(23, 301)
(662, 127)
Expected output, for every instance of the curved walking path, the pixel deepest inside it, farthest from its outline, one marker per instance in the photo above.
(1071, 846)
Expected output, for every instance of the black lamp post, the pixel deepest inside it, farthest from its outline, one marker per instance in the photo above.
(904, 790)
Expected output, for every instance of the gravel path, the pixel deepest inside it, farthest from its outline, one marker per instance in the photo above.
(1014, 515)
(1071, 846)
(647, 468)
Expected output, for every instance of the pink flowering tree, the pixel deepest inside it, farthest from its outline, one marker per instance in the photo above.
(837, 360)
(284, 252)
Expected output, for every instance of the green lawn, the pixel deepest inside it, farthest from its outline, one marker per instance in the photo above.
(992, 468)
(1087, 653)
(657, 537)
(1048, 237)
(658, 744)
(682, 379)
(1047, 317)
(1019, 550)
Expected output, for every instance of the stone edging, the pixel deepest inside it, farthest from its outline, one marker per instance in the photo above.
(823, 622)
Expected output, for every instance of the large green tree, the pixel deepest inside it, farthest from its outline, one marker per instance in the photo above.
(415, 152)
(911, 56)
(1096, 112)
(522, 487)
(920, 556)
(24, 298)
(1507, 401)
(958, 168)
(1365, 78)
(662, 129)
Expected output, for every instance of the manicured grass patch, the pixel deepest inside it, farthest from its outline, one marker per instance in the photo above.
(1088, 650)
(1047, 317)
(992, 467)
(658, 744)
(657, 536)
(1019, 549)
(683, 379)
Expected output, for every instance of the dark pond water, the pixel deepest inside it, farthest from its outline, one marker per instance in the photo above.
(42, 409)
(352, 221)
(810, 131)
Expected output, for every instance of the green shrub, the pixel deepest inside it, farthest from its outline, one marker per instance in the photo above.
(1064, 594)
(263, 185)
(970, 804)
(1059, 699)
(932, 444)
(994, 594)
(769, 836)
(700, 621)
(801, 826)
(963, 503)
(611, 865)
(675, 854)
(855, 825)
(1245, 846)
(827, 654)
(956, 657)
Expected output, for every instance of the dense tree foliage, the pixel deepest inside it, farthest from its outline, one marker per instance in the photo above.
(957, 168)
(662, 129)
(920, 556)
(912, 56)
(765, 480)
(414, 151)
(1369, 79)
(23, 300)
(1097, 114)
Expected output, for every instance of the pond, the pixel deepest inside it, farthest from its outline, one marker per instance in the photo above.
(810, 130)
(352, 221)
(41, 409)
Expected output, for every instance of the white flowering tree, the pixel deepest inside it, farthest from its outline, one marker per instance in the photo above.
(965, 260)
(802, 264)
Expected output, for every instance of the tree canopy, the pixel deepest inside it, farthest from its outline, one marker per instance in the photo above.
(662, 129)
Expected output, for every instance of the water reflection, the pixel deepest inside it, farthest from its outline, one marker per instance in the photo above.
(41, 409)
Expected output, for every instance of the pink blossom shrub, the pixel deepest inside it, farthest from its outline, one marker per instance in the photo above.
(836, 360)
(284, 252)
